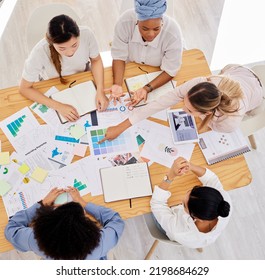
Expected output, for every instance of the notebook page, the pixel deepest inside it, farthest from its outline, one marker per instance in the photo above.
(85, 96)
(125, 181)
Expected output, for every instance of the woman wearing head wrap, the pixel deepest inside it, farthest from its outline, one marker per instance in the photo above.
(147, 36)
(204, 212)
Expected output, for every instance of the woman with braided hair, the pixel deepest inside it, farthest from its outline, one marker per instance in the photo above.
(67, 49)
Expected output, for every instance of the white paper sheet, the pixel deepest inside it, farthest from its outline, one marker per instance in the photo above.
(160, 148)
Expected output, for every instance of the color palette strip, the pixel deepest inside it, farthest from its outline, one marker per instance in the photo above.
(116, 145)
(66, 139)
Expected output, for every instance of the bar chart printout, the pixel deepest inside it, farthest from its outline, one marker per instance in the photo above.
(15, 126)
(79, 185)
(19, 128)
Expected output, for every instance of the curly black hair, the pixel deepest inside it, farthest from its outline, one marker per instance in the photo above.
(65, 232)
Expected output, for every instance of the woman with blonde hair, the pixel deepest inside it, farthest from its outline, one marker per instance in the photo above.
(66, 50)
(221, 101)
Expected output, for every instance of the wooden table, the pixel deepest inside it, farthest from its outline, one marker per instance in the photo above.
(233, 173)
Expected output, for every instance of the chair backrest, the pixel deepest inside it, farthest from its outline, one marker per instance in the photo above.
(40, 17)
(255, 120)
(259, 70)
(155, 232)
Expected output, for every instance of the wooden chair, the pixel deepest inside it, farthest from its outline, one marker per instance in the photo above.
(255, 119)
(158, 236)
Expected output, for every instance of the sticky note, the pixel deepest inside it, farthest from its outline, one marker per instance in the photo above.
(80, 150)
(39, 174)
(4, 158)
(61, 198)
(77, 131)
(4, 187)
(24, 168)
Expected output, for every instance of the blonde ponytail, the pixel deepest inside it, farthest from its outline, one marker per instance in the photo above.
(231, 93)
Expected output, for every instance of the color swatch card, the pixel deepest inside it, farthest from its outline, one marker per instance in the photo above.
(124, 143)
(18, 127)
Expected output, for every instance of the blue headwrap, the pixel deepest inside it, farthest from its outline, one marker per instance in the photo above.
(147, 9)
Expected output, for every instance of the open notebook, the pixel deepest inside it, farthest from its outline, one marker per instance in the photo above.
(81, 96)
(125, 181)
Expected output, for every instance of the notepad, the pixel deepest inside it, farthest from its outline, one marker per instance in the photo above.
(4, 187)
(4, 158)
(218, 146)
(81, 96)
(39, 174)
(125, 182)
(140, 81)
(182, 126)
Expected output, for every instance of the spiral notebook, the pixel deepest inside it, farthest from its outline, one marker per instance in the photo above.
(125, 182)
(218, 146)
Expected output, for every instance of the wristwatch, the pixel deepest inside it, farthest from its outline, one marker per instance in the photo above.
(149, 87)
(165, 179)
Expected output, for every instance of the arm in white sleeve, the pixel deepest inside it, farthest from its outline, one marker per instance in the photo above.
(167, 100)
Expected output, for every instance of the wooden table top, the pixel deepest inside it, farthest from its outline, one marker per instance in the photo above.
(233, 173)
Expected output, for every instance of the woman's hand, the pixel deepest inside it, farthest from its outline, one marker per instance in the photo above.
(137, 96)
(68, 112)
(49, 199)
(102, 102)
(75, 194)
(178, 168)
(114, 131)
(116, 93)
(111, 133)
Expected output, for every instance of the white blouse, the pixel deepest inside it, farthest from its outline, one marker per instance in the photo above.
(252, 91)
(178, 225)
(164, 51)
(39, 61)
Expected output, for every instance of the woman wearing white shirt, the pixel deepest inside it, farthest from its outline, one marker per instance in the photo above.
(146, 36)
(221, 101)
(66, 50)
(204, 213)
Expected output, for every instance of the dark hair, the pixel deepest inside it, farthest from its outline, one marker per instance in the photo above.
(207, 203)
(60, 30)
(65, 232)
(206, 97)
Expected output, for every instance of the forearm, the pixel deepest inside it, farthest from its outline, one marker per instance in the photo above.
(35, 95)
(98, 74)
(118, 68)
(159, 81)
(197, 170)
